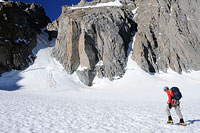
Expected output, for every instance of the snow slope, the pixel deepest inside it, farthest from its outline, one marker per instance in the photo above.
(114, 3)
(44, 99)
(46, 71)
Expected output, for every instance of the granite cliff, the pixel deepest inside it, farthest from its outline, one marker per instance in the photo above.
(93, 40)
(168, 35)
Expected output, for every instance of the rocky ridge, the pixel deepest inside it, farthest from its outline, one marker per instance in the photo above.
(19, 24)
(94, 41)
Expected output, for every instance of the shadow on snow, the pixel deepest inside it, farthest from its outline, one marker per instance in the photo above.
(192, 121)
(8, 81)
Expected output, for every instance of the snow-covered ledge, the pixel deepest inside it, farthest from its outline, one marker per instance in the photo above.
(114, 3)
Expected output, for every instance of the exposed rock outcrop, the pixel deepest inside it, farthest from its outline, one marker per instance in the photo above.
(168, 35)
(94, 41)
(18, 25)
(90, 35)
(82, 2)
(53, 29)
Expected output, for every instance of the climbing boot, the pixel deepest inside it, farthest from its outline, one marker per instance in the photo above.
(170, 121)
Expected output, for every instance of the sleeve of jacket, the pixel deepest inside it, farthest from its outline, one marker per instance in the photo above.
(169, 97)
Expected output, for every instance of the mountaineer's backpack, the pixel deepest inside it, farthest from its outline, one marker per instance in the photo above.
(177, 93)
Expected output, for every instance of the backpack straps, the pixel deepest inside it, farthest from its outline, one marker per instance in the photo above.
(171, 93)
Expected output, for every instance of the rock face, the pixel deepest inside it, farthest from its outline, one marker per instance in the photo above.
(82, 2)
(168, 35)
(91, 35)
(94, 41)
(19, 24)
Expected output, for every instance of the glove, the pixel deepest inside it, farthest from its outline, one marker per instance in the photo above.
(170, 105)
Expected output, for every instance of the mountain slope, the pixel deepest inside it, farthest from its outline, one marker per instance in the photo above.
(40, 75)
(98, 32)
(50, 100)
(45, 98)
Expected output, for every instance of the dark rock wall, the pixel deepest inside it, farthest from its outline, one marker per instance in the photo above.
(19, 24)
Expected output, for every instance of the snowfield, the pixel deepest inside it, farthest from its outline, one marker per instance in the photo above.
(45, 99)
(40, 113)
(114, 3)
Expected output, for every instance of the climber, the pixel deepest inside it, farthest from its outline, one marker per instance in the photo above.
(173, 101)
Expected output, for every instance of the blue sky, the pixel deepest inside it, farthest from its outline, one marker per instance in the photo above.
(52, 7)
